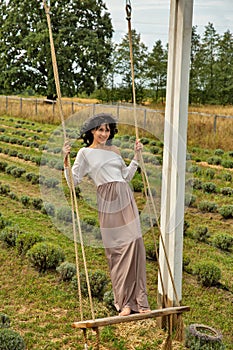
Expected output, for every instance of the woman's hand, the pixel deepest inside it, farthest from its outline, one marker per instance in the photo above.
(66, 151)
(137, 149)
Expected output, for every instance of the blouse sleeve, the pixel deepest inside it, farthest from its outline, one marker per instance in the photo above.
(79, 168)
(129, 171)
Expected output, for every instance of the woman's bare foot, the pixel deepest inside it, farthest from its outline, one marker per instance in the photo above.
(141, 311)
(125, 311)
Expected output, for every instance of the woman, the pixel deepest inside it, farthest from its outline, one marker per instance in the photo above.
(118, 214)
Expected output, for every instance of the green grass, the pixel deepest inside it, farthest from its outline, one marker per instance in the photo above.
(42, 308)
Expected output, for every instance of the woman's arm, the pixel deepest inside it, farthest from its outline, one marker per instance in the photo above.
(79, 168)
(129, 171)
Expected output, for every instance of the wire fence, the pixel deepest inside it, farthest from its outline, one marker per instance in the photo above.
(46, 111)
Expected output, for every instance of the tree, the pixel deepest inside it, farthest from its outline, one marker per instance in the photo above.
(157, 70)
(207, 57)
(195, 67)
(82, 33)
(224, 69)
(123, 67)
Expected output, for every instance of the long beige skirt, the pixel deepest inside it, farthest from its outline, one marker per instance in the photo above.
(124, 247)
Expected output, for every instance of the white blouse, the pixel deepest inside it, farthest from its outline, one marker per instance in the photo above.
(102, 166)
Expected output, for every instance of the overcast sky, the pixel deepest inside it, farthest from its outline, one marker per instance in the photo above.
(150, 18)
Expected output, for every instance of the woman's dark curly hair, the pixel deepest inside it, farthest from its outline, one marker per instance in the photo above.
(94, 123)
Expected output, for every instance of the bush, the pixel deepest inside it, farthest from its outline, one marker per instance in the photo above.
(194, 169)
(20, 155)
(4, 321)
(3, 222)
(25, 200)
(18, 172)
(26, 240)
(227, 163)
(48, 209)
(226, 191)
(207, 207)
(9, 235)
(185, 227)
(52, 162)
(197, 184)
(6, 151)
(37, 203)
(3, 166)
(219, 152)
(35, 179)
(90, 220)
(154, 149)
(64, 214)
(98, 282)
(44, 256)
(11, 340)
(13, 153)
(151, 252)
(66, 271)
(13, 196)
(29, 176)
(108, 300)
(209, 187)
(51, 182)
(137, 185)
(144, 140)
(59, 165)
(226, 211)
(214, 160)
(4, 189)
(10, 168)
(208, 274)
(26, 143)
(223, 241)
(227, 177)
(210, 173)
(27, 157)
(201, 234)
(189, 199)
(186, 264)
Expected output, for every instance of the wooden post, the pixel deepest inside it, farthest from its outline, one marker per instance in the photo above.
(215, 123)
(174, 155)
(36, 106)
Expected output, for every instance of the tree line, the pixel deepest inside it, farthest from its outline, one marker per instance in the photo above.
(89, 62)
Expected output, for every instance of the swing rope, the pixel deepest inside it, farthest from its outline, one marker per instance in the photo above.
(72, 187)
(179, 334)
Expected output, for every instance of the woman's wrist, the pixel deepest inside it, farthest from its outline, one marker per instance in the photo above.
(65, 162)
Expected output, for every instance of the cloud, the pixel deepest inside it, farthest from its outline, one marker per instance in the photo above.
(150, 18)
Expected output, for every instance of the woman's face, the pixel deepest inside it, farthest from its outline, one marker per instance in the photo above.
(101, 134)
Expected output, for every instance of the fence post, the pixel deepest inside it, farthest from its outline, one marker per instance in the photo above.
(215, 123)
(53, 109)
(36, 106)
(118, 109)
(21, 105)
(6, 104)
(144, 123)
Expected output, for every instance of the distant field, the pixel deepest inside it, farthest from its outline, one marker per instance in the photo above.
(41, 307)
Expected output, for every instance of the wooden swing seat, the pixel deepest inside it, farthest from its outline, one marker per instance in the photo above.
(107, 321)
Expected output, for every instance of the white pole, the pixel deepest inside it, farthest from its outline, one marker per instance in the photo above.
(174, 156)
